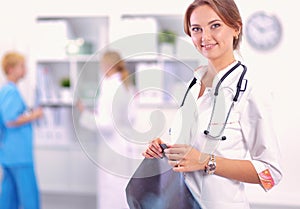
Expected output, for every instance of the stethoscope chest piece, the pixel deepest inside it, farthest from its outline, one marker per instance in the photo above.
(206, 132)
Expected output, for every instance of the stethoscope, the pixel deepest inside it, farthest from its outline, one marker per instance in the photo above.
(235, 98)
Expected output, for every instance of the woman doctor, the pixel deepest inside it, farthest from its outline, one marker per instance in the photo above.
(113, 117)
(213, 135)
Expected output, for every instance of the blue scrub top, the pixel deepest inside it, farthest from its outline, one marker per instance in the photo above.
(15, 142)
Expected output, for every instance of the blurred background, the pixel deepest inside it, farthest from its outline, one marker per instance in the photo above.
(62, 40)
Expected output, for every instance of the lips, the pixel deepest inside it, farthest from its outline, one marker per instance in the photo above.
(207, 46)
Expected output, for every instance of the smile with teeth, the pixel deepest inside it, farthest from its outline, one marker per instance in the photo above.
(207, 46)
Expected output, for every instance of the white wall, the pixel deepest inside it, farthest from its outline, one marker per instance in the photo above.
(277, 69)
(16, 29)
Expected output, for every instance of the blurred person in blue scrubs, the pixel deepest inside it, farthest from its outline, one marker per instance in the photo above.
(19, 187)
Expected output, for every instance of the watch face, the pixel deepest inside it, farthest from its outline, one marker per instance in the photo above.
(263, 31)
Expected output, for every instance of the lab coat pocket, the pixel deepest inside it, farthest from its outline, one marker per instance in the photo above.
(232, 127)
(234, 143)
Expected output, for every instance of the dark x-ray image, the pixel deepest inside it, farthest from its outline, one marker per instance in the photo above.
(155, 185)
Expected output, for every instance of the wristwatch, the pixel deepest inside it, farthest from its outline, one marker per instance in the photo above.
(211, 165)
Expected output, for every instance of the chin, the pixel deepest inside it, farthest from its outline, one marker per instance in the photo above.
(206, 55)
(209, 55)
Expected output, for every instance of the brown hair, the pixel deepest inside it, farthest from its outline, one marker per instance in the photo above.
(114, 59)
(227, 10)
(10, 60)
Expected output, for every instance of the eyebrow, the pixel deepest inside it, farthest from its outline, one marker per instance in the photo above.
(210, 22)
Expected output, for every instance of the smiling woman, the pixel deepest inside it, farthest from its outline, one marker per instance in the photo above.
(213, 37)
(217, 30)
(232, 19)
(216, 168)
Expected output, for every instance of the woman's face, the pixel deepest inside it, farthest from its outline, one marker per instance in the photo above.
(20, 70)
(210, 35)
(105, 66)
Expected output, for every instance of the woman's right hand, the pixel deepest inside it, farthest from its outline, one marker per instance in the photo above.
(80, 106)
(37, 113)
(154, 150)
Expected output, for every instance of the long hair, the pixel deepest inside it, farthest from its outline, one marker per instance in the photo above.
(114, 59)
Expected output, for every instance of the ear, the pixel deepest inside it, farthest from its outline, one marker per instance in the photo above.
(238, 31)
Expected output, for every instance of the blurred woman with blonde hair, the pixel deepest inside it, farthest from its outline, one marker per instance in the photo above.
(113, 116)
(19, 185)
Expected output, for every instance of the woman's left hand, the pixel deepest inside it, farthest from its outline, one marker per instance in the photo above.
(185, 158)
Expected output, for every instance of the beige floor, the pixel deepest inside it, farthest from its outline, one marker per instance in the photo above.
(56, 201)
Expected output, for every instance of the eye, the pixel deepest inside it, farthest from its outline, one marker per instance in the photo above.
(215, 25)
(196, 29)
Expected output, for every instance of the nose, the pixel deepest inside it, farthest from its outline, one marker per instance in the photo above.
(205, 35)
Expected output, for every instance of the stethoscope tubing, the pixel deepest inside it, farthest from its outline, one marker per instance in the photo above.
(216, 93)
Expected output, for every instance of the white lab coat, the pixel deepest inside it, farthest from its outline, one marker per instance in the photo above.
(113, 116)
(249, 131)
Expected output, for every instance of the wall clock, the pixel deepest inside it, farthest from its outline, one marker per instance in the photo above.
(263, 31)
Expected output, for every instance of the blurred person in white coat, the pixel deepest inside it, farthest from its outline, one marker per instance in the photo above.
(113, 117)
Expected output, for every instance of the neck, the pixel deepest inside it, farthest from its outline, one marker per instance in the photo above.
(218, 65)
(12, 79)
(111, 72)
(208, 78)
(215, 67)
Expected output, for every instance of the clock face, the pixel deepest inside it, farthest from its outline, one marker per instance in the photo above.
(263, 31)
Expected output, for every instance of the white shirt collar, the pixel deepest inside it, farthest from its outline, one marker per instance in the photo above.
(200, 72)
(222, 72)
